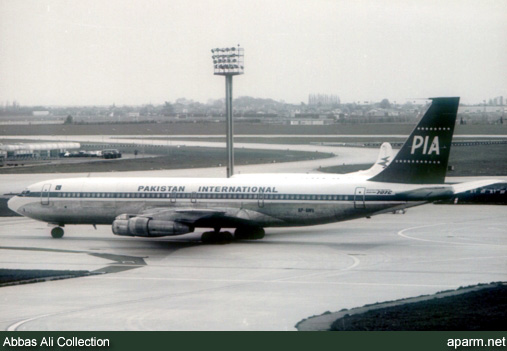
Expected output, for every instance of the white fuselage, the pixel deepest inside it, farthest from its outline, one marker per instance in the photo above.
(259, 201)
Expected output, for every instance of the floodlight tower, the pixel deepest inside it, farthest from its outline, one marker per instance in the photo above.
(229, 62)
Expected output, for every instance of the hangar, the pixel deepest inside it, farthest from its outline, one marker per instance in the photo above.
(36, 150)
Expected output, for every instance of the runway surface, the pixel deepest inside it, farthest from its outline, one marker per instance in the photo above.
(181, 284)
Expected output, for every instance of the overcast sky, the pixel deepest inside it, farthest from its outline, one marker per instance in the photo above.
(134, 52)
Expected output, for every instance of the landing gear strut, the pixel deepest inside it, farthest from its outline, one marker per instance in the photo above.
(57, 232)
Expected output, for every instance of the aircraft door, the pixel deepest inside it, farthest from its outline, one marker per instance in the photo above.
(44, 195)
(359, 198)
(260, 199)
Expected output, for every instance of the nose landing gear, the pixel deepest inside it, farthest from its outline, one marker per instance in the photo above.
(57, 232)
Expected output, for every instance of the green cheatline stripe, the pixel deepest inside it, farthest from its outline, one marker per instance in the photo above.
(214, 196)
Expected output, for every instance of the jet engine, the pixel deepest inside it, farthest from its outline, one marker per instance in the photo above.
(148, 227)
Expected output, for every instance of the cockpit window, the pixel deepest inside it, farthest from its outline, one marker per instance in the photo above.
(25, 192)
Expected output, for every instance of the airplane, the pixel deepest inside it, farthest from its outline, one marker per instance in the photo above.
(157, 207)
(384, 157)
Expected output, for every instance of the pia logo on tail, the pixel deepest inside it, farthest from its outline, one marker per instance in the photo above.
(427, 148)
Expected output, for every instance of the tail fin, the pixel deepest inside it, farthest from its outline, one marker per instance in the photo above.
(423, 158)
(385, 156)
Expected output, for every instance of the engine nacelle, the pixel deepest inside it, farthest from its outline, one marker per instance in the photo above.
(148, 227)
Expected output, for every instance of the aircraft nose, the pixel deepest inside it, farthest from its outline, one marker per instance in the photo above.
(14, 204)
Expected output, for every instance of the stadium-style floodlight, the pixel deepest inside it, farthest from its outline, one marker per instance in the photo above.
(229, 62)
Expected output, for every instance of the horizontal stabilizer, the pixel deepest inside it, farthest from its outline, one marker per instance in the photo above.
(467, 186)
(429, 193)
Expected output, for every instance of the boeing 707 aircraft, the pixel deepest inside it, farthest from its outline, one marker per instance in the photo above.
(156, 207)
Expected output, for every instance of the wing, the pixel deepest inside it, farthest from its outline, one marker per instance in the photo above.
(218, 217)
(175, 221)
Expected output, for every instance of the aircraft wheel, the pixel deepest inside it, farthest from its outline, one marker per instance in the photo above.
(57, 232)
(247, 233)
(241, 234)
(226, 236)
(216, 237)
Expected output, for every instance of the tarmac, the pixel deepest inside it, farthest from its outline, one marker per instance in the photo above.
(180, 283)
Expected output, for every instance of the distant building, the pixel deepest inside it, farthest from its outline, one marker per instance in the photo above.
(477, 109)
(381, 112)
(498, 101)
(308, 122)
(38, 149)
(40, 113)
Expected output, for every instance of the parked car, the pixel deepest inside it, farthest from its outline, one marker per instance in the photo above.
(111, 153)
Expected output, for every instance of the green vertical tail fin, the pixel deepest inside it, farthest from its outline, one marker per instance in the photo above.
(424, 156)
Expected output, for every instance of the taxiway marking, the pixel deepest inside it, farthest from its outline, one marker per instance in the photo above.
(402, 234)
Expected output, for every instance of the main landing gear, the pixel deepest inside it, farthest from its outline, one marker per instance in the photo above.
(242, 233)
(57, 232)
(249, 233)
(216, 237)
